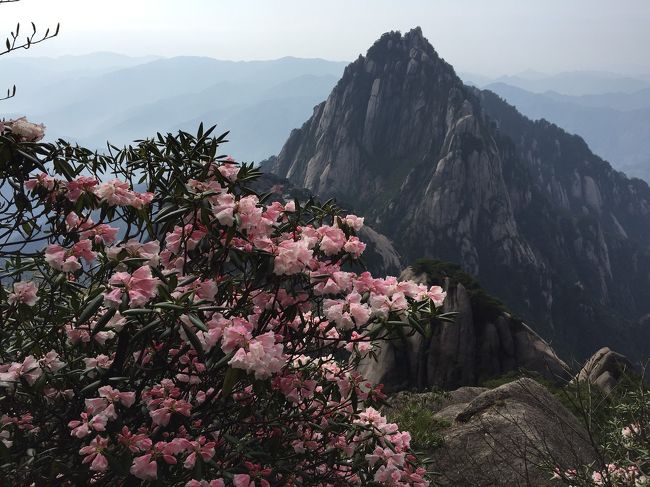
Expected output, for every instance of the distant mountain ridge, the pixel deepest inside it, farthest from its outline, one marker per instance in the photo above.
(454, 173)
(615, 125)
(120, 99)
(571, 83)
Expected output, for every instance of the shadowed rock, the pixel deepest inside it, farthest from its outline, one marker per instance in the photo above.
(465, 352)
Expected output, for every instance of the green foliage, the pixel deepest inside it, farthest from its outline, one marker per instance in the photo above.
(618, 424)
(416, 415)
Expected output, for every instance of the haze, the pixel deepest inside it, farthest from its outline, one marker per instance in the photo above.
(492, 38)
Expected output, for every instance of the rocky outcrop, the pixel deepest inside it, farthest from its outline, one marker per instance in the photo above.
(480, 344)
(448, 172)
(605, 369)
(503, 436)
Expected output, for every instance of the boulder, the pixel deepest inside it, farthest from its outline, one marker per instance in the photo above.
(504, 436)
(604, 369)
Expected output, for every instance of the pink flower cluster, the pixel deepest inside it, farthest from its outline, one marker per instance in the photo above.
(140, 287)
(25, 130)
(113, 192)
(24, 293)
(217, 338)
(67, 260)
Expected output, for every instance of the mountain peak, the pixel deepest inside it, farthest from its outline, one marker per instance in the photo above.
(395, 45)
(403, 142)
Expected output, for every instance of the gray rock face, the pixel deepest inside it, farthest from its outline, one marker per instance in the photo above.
(380, 253)
(451, 173)
(604, 369)
(503, 436)
(462, 353)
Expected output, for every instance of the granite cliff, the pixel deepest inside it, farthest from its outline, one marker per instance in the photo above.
(453, 173)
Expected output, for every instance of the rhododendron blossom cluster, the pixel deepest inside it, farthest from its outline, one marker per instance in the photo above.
(176, 327)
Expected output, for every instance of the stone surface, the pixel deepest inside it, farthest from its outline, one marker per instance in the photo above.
(450, 172)
(502, 436)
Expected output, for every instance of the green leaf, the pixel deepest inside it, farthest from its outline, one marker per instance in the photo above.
(169, 216)
(166, 305)
(91, 386)
(146, 328)
(103, 321)
(229, 381)
(137, 312)
(90, 309)
(194, 340)
(197, 322)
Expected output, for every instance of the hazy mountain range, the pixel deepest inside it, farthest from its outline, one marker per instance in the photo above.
(106, 96)
(99, 97)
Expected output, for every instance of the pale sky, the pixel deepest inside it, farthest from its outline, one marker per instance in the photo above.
(491, 37)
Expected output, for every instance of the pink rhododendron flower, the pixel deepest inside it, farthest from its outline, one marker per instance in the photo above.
(354, 247)
(51, 362)
(24, 293)
(28, 131)
(245, 480)
(205, 483)
(93, 454)
(58, 258)
(43, 180)
(188, 234)
(229, 171)
(118, 193)
(262, 356)
(140, 286)
(162, 414)
(631, 430)
(102, 233)
(332, 240)
(29, 370)
(101, 361)
(224, 209)
(347, 313)
(238, 334)
(80, 185)
(292, 257)
(83, 427)
(115, 192)
(353, 221)
(437, 295)
(127, 399)
(134, 248)
(145, 467)
(83, 249)
(202, 448)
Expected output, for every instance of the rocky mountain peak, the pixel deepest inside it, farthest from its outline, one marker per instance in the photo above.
(451, 173)
(412, 48)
